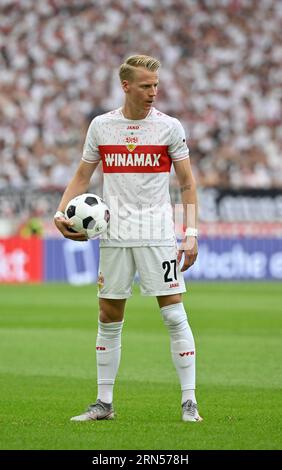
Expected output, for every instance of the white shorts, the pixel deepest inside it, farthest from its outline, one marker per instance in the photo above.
(157, 267)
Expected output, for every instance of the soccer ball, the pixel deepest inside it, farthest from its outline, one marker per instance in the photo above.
(89, 214)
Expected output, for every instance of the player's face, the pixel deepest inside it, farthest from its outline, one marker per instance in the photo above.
(141, 91)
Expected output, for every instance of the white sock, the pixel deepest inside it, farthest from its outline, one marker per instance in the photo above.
(108, 351)
(188, 395)
(182, 348)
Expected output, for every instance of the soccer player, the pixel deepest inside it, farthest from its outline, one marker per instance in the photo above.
(136, 145)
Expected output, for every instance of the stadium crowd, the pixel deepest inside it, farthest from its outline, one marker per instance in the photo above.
(221, 76)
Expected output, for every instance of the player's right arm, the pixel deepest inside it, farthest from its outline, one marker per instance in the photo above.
(78, 185)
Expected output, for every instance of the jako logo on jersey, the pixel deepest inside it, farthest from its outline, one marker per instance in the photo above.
(187, 353)
(174, 284)
(133, 127)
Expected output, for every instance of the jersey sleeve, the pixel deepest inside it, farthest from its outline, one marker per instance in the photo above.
(178, 149)
(90, 152)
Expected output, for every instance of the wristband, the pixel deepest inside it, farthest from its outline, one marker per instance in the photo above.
(191, 232)
(59, 214)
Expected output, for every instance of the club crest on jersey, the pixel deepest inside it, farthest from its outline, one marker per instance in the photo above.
(131, 147)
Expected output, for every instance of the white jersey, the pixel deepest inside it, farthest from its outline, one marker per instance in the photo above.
(136, 159)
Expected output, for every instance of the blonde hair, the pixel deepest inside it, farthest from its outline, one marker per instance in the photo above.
(126, 70)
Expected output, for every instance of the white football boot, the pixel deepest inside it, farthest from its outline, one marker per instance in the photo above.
(190, 412)
(96, 411)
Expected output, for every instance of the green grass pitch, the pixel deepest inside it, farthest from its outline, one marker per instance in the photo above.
(48, 371)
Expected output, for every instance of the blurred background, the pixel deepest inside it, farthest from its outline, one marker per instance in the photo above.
(221, 77)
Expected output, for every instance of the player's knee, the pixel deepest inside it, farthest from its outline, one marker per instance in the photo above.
(111, 310)
(174, 316)
(169, 300)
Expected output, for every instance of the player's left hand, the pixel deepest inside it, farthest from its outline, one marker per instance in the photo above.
(188, 248)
